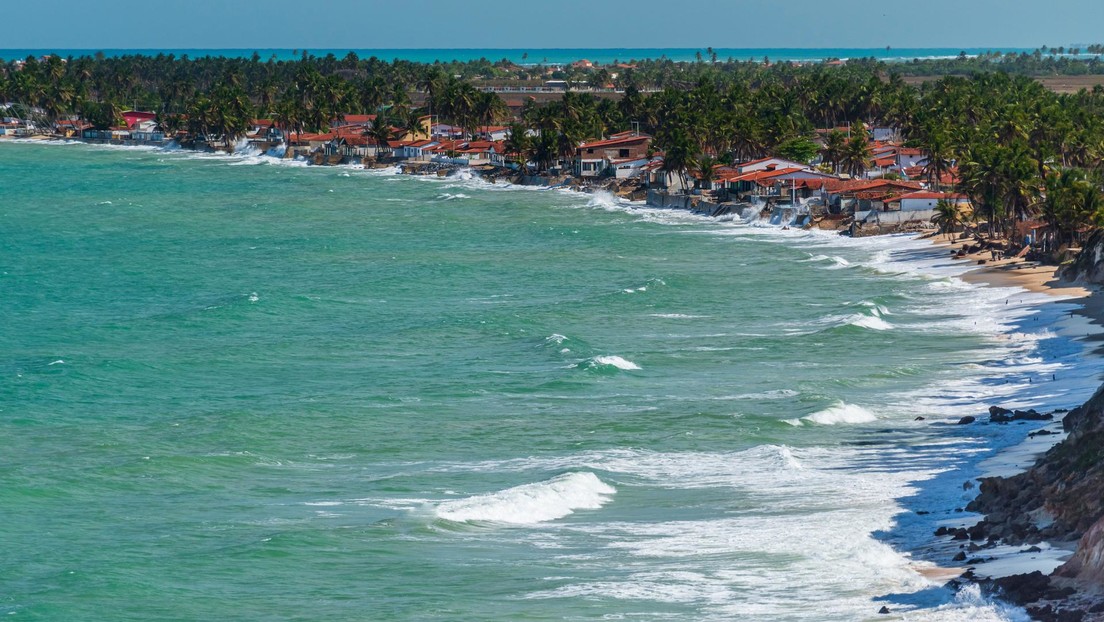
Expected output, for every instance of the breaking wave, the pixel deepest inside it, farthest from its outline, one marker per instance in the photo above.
(531, 503)
(610, 361)
(841, 412)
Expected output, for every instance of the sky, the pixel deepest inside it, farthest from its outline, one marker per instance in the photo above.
(534, 24)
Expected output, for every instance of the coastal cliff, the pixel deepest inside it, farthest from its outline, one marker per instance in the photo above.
(1088, 266)
(1059, 499)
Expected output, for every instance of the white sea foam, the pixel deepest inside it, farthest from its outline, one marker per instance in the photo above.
(613, 361)
(869, 321)
(839, 413)
(531, 503)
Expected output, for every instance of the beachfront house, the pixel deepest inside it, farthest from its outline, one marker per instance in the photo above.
(927, 200)
(771, 163)
(791, 182)
(493, 133)
(415, 149)
(863, 195)
(595, 159)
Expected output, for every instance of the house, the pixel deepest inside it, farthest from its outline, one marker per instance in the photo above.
(865, 194)
(72, 127)
(134, 117)
(778, 182)
(444, 130)
(359, 120)
(493, 132)
(630, 168)
(414, 149)
(927, 200)
(768, 163)
(594, 159)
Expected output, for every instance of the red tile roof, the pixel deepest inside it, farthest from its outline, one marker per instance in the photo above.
(926, 194)
(613, 142)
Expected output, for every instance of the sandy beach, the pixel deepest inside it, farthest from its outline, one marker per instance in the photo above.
(1012, 271)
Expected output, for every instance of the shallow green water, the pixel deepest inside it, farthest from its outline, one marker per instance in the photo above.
(250, 391)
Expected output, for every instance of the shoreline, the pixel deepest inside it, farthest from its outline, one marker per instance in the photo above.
(1018, 455)
(1002, 568)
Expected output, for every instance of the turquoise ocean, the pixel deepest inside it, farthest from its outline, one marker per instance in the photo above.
(557, 56)
(238, 388)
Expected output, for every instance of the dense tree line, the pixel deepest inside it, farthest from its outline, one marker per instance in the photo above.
(1019, 149)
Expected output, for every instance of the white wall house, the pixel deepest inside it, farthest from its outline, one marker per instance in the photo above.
(925, 200)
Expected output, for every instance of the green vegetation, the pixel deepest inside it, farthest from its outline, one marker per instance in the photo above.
(1018, 149)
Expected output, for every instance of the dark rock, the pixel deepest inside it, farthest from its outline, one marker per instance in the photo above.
(997, 410)
(1031, 415)
(1033, 549)
(1021, 589)
(960, 557)
(973, 547)
(884, 610)
(922, 512)
(918, 419)
(966, 420)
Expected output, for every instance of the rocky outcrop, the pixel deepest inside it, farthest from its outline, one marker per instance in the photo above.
(1066, 485)
(1087, 564)
(1088, 266)
(1060, 498)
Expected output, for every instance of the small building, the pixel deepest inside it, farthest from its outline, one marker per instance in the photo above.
(134, 117)
(493, 132)
(771, 163)
(927, 200)
(594, 159)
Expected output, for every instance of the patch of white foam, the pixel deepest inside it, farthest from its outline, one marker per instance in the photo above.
(839, 413)
(614, 361)
(869, 321)
(531, 503)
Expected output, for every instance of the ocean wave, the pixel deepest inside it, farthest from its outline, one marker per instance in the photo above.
(555, 338)
(841, 412)
(872, 322)
(611, 360)
(531, 503)
(837, 262)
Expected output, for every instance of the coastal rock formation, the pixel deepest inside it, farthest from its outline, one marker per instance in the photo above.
(1088, 563)
(1060, 498)
(1088, 266)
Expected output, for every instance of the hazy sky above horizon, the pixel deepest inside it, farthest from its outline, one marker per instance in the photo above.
(367, 24)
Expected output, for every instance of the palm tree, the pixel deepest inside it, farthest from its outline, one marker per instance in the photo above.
(518, 144)
(947, 217)
(382, 132)
(856, 157)
(938, 158)
(835, 148)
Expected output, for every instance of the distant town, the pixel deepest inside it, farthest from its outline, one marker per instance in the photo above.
(969, 143)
